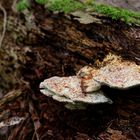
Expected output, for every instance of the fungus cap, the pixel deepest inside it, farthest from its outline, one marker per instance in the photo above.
(113, 72)
(68, 89)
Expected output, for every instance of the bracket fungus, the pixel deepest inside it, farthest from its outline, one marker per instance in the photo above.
(68, 89)
(85, 87)
(115, 73)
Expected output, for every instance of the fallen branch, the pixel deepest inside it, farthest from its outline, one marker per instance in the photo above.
(14, 6)
(35, 119)
(11, 96)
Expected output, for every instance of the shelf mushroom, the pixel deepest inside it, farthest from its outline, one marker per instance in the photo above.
(115, 73)
(85, 87)
(68, 89)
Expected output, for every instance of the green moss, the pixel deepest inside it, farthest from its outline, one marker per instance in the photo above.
(65, 6)
(118, 13)
(115, 13)
(68, 6)
(42, 2)
(22, 5)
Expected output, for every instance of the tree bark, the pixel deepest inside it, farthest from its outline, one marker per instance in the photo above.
(91, 41)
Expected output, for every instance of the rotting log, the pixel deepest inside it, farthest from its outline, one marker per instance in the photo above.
(61, 47)
(91, 41)
(66, 45)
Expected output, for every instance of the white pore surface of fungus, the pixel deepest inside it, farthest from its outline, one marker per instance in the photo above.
(68, 89)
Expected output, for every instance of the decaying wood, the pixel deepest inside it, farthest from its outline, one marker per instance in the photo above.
(4, 23)
(60, 46)
(11, 96)
(92, 41)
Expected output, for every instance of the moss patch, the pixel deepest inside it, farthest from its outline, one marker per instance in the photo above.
(65, 6)
(68, 6)
(118, 13)
(42, 2)
(115, 13)
(22, 5)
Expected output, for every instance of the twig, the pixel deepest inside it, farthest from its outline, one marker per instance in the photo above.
(4, 24)
(14, 5)
(9, 97)
(35, 119)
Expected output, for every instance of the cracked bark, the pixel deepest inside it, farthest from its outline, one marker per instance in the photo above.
(91, 41)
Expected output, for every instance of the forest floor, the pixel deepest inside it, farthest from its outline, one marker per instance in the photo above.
(44, 118)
